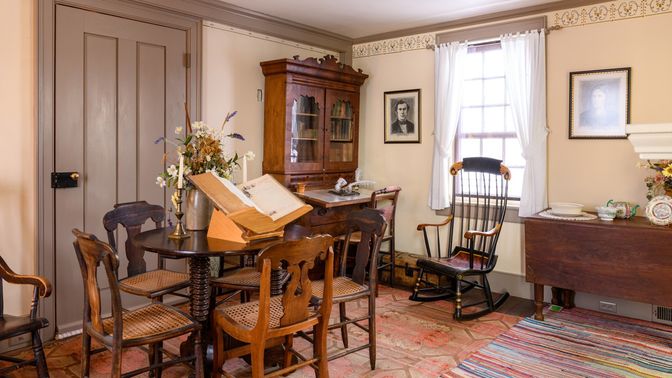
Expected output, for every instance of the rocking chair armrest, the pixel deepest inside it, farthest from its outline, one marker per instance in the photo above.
(422, 226)
(44, 287)
(469, 235)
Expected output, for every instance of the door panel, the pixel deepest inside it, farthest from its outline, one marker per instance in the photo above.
(120, 85)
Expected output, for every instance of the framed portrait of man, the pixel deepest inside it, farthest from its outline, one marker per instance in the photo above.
(402, 116)
(599, 103)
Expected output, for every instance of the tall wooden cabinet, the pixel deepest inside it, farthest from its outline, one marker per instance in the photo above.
(311, 120)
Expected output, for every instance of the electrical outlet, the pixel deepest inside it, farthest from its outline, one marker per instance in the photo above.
(608, 307)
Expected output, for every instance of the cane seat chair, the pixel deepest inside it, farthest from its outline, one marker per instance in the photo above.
(12, 326)
(153, 284)
(370, 225)
(247, 279)
(148, 325)
(273, 320)
(478, 206)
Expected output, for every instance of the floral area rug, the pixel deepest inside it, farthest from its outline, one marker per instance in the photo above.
(575, 343)
(414, 340)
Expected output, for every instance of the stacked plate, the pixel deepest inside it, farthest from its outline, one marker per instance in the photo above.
(566, 209)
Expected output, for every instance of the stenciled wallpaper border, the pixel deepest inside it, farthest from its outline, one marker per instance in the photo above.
(591, 14)
(387, 46)
(612, 11)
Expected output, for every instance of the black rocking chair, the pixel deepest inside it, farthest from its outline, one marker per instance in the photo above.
(478, 206)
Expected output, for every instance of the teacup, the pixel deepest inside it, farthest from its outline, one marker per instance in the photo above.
(624, 209)
(606, 213)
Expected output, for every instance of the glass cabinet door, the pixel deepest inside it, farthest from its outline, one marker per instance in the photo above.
(341, 143)
(305, 133)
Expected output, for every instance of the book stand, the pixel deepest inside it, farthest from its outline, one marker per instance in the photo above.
(238, 219)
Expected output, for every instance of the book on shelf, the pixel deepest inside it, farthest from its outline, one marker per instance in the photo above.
(258, 209)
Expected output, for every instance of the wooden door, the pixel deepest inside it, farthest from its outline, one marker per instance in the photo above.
(120, 85)
(305, 129)
(341, 131)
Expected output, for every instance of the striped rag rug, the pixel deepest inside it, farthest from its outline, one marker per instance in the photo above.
(574, 343)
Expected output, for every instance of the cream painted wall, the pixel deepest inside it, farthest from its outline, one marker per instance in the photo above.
(589, 172)
(231, 78)
(593, 171)
(18, 35)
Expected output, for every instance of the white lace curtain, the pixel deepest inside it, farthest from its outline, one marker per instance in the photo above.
(525, 67)
(449, 72)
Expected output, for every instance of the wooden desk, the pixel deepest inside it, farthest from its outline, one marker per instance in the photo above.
(628, 259)
(330, 210)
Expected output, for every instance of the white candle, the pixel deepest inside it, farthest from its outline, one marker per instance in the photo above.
(244, 169)
(180, 174)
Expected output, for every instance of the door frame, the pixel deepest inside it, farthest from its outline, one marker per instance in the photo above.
(46, 54)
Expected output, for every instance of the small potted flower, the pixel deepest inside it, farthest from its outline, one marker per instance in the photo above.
(661, 181)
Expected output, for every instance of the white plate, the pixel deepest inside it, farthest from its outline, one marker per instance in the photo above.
(659, 210)
(569, 215)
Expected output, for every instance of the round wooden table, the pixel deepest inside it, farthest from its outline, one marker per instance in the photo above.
(198, 248)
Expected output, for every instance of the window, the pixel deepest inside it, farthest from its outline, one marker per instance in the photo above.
(486, 126)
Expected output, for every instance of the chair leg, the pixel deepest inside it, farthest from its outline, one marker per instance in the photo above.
(156, 357)
(116, 363)
(416, 287)
(393, 262)
(218, 351)
(198, 352)
(458, 297)
(320, 348)
(257, 352)
(344, 327)
(488, 293)
(287, 355)
(86, 354)
(372, 331)
(40, 359)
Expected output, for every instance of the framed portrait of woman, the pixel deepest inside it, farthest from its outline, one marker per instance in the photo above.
(599, 103)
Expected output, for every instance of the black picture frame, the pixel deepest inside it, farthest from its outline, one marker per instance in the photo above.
(599, 103)
(406, 132)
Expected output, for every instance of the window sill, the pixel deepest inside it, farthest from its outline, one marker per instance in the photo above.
(511, 215)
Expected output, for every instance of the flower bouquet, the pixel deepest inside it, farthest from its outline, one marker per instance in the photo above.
(202, 149)
(661, 181)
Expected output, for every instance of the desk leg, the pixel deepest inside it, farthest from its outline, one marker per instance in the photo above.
(538, 301)
(199, 304)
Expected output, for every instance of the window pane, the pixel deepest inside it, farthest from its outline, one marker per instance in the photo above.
(493, 148)
(493, 119)
(474, 66)
(471, 120)
(516, 182)
(473, 93)
(469, 148)
(493, 63)
(494, 91)
(514, 154)
(509, 120)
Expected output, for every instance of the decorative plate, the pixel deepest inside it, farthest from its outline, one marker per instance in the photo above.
(659, 210)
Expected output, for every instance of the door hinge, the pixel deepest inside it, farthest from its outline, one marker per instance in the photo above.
(187, 60)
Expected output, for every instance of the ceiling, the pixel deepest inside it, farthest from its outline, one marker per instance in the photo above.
(362, 18)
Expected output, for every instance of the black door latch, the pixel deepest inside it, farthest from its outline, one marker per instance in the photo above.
(64, 179)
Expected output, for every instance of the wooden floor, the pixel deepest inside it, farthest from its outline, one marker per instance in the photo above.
(414, 340)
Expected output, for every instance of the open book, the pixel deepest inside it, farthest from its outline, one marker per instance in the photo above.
(261, 205)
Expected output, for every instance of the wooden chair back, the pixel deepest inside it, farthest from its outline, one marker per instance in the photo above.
(479, 200)
(297, 257)
(91, 252)
(385, 200)
(132, 216)
(371, 224)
